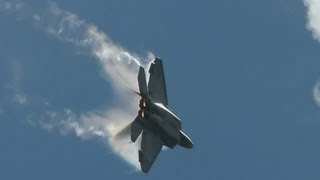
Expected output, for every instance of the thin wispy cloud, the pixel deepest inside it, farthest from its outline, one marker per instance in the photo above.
(12, 5)
(18, 96)
(36, 17)
(119, 68)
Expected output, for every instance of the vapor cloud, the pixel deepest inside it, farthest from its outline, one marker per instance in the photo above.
(118, 66)
(313, 15)
(316, 93)
(12, 5)
(18, 97)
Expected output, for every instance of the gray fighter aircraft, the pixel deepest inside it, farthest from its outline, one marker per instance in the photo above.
(159, 126)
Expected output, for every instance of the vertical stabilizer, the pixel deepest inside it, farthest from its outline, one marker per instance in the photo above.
(142, 82)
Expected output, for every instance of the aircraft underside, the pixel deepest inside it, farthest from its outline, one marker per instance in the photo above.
(157, 124)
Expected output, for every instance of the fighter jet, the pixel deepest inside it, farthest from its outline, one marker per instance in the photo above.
(158, 125)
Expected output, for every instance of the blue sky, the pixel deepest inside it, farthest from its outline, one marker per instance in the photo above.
(242, 76)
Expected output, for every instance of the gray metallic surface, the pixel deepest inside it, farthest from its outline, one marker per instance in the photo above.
(157, 83)
(159, 126)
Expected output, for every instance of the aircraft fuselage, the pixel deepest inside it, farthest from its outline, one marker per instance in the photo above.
(157, 118)
(157, 124)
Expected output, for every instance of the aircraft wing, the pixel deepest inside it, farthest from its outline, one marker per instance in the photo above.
(157, 84)
(151, 146)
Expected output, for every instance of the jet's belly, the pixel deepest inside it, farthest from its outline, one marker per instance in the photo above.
(169, 134)
(166, 114)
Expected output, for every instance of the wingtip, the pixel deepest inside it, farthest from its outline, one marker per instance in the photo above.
(141, 68)
(157, 59)
(145, 169)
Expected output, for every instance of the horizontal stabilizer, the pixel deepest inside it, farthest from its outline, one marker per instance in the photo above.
(151, 145)
(140, 156)
(136, 129)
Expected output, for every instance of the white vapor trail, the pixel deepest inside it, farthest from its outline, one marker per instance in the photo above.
(119, 67)
(313, 16)
(316, 93)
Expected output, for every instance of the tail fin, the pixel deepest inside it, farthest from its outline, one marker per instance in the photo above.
(142, 82)
(136, 126)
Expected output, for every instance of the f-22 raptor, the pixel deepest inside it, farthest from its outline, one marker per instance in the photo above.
(158, 125)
